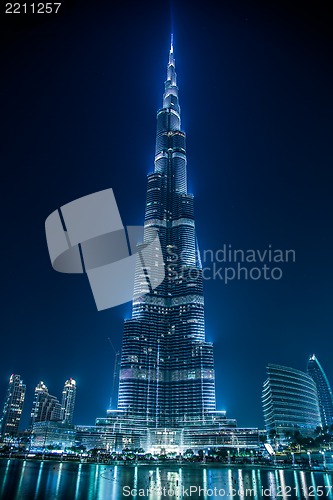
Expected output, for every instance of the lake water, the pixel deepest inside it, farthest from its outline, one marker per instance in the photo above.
(49, 480)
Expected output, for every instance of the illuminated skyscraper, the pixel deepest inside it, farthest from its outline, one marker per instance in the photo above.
(45, 407)
(68, 401)
(324, 390)
(166, 396)
(13, 406)
(167, 369)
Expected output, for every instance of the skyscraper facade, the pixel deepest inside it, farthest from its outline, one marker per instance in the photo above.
(45, 407)
(290, 401)
(68, 401)
(325, 396)
(13, 406)
(167, 381)
(167, 369)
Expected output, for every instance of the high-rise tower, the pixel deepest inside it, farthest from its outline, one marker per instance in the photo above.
(45, 407)
(324, 390)
(167, 370)
(68, 401)
(13, 406)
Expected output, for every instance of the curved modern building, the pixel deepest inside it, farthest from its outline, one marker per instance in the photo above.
(290, 401)
(325, 396)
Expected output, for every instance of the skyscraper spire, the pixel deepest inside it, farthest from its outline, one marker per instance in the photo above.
(171, 56)
(170, 97)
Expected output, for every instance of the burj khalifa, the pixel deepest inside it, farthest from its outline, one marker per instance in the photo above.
(166, 377)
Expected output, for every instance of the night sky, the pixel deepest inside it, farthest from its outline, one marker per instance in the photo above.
(79, 94)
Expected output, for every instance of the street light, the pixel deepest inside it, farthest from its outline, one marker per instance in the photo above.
(309, 455)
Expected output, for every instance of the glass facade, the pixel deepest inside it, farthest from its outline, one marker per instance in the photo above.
(324, 390)
(106, 438)
(59, 435)
(13, 406)
(167, 370)
(290, 401)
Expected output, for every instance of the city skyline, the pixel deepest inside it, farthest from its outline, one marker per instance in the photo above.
(44, 407)
(261, 179)
(47, 408)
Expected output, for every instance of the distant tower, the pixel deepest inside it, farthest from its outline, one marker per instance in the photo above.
(68, 401)
(45, 407)
(324, 390)
(13, 406)
(290, 401)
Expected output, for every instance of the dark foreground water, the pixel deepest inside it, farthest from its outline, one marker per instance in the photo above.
(33, 480)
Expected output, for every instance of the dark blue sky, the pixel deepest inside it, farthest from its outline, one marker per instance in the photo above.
(80, 93)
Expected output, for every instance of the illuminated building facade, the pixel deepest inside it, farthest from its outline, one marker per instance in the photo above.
(167, 368)
(59, 435)
(13, 406)
(103, 437)
(68, 401)
(324, 390)
(290, 401)
(167, 378)
(45, 407)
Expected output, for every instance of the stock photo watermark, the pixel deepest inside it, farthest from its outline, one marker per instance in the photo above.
(87, 236)
(229, 264)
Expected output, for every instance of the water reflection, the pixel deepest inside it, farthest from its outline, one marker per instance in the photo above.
(38, 479)
(296, 482)
(21, 479)
(26, 480)
(78, 478)
(304, 485)
(58, 480)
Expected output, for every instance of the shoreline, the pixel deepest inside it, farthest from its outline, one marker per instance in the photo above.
(162, 463)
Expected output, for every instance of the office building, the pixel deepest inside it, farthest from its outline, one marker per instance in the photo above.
(13, 407)
(45, 407)
(68, 401)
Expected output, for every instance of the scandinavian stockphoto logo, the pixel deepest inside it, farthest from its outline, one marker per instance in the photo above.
(231, 264)
(88, 236)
